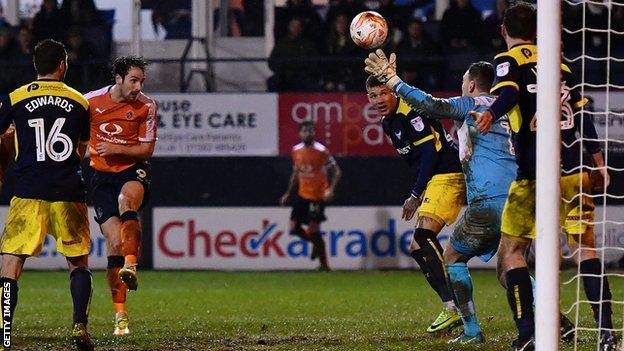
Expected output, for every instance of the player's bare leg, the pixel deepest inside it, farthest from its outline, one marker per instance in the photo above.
(428, 253)
(81, 289)
(314, 230)
(460, 282)
(130, 200)
(591, 270)
(112, 233)
(295, 228)
(11, 270)
(513, 274)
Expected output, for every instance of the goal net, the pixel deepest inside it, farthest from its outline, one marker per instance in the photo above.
(593, 47)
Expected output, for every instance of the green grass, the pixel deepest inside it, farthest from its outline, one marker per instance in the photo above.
(266, 311)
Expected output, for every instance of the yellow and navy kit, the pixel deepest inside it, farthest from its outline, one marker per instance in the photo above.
(408, 130)
(577, 126)
(50, 120)
(517, 68)
(426, 147)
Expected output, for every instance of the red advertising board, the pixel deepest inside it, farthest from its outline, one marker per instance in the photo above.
(345, 122)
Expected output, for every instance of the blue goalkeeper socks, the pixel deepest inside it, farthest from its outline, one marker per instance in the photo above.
(461, 283)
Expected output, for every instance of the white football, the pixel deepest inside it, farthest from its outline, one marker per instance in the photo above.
(369, 30)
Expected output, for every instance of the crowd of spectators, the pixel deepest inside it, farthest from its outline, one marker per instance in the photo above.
(83, 29)
(313, 50)
(316, 54)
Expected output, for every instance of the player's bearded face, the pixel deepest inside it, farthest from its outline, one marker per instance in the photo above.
(307, 135)
(383, 98)
(131, 84)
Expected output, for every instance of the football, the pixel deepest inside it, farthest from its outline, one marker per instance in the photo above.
(369, 30)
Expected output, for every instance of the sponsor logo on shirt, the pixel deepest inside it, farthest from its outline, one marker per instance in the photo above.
(502, 69)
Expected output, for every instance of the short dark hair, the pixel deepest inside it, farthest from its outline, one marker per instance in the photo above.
(372, 81)
(306, 123)
(483, 74)
(122, 65)
(520, 19)
(48, 55)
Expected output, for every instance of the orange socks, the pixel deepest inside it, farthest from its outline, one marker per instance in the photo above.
(130, 236)
(117, 287)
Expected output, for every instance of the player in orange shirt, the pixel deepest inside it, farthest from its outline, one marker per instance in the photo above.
(311, 162)
(123, 136)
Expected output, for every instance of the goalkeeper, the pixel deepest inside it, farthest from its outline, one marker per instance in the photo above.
(489, 168)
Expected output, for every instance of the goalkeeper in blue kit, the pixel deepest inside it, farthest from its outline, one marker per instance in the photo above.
(489, 168)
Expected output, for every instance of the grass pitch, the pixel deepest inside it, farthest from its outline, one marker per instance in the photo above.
(268, 311)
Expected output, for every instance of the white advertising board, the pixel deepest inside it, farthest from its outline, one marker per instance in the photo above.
(216, 125)
(51, 259)
(256, 238)
(613, 127)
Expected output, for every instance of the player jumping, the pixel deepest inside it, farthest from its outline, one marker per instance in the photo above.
(311, 163)
(438, 193)
(52, 125)
(123, 136)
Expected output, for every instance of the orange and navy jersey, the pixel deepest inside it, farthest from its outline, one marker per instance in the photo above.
(51, 120)
(310, 163)
(125, 123)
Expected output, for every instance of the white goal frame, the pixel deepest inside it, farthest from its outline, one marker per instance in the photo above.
(548, 170)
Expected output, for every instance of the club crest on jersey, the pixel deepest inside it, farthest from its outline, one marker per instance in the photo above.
(502, 69)
(129, 115)
(141, 173)
(418, 124)
(99, 212)
(111, 128)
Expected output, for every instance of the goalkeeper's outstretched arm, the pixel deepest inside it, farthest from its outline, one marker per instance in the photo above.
(457, 108)
(384, 69)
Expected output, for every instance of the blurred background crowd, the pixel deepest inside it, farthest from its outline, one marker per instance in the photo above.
(313, 50)
(432, 54)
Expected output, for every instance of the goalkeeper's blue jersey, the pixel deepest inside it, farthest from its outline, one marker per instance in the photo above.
(492, 166)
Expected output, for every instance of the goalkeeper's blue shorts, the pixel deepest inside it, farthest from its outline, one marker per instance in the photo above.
(478, 232)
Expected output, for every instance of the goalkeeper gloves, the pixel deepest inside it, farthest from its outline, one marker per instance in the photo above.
(382, 68)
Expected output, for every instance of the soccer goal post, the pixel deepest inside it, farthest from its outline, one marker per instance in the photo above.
(547, 246)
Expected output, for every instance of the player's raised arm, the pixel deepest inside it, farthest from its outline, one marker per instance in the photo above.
(458, 108)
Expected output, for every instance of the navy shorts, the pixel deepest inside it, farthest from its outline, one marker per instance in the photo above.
(106, 187)
(304, 211)
(478, 231)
